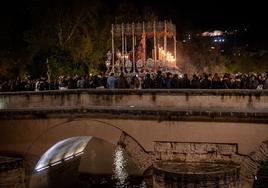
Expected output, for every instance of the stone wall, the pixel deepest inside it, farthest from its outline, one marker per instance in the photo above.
(250, 165)
(196, 152)
(11, 173)
(127, 110)
(141, 158)
(219, 100)
(200, 165)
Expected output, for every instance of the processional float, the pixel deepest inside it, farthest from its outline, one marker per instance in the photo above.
(134, 58)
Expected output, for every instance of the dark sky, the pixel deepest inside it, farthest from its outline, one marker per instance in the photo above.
(199, 15)
(211, 13)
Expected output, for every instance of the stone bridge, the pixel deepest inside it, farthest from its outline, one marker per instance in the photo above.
(152, 125)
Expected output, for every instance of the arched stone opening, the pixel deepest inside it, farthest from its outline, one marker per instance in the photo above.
(68, 141)
(62, 151)
(58, 166)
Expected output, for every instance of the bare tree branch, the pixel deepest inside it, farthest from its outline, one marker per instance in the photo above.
(60, 30)
(77, 23)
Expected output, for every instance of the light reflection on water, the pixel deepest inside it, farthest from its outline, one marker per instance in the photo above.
(119, 170)
(120, 174)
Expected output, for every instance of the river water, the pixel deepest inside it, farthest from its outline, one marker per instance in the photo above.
(120, 177)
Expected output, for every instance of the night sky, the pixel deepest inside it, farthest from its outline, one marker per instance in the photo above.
(188, 15)
(222, 15)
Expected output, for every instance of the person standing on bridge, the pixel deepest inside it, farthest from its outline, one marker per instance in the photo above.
(159, 81)
(111, 81)
(122, 82)
(265, 85)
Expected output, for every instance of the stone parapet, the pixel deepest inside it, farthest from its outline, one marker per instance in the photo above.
(222, 100)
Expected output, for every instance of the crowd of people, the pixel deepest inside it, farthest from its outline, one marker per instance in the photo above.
(158, 80)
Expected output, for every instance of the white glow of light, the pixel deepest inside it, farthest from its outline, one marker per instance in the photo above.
(64, 149)
(68, 158)
(120, 172)
(212, 34)
(78, 154)
(56, 163)
(41, 169)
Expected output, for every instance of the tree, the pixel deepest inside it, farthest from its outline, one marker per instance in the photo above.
(64, 26)
(78, 30)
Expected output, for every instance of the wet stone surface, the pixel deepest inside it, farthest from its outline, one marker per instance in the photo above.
(210, 175)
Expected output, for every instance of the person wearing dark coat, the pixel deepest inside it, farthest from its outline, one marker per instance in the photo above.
(185, 82)
(168, 80)
(195, 82)
(175, 82)
(216, 82)
(148, 82)
(159, 82)
(205, 83)
(122, 82)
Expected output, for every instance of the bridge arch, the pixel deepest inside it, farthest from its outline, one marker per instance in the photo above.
(58, 131)
(63, 151)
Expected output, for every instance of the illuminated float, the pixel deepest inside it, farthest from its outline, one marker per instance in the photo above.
(142, 48)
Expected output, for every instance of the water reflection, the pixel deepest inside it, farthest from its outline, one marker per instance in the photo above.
(120, 173)
(123, 174)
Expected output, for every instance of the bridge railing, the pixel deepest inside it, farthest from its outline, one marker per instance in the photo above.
(229, 100)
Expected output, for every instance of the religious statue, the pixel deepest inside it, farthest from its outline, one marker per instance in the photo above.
(109, 59)
(150, 64)
(139, 65)
(128, 66)
(161, 65)
(118, 54)
(117, 65)
(109, 56)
